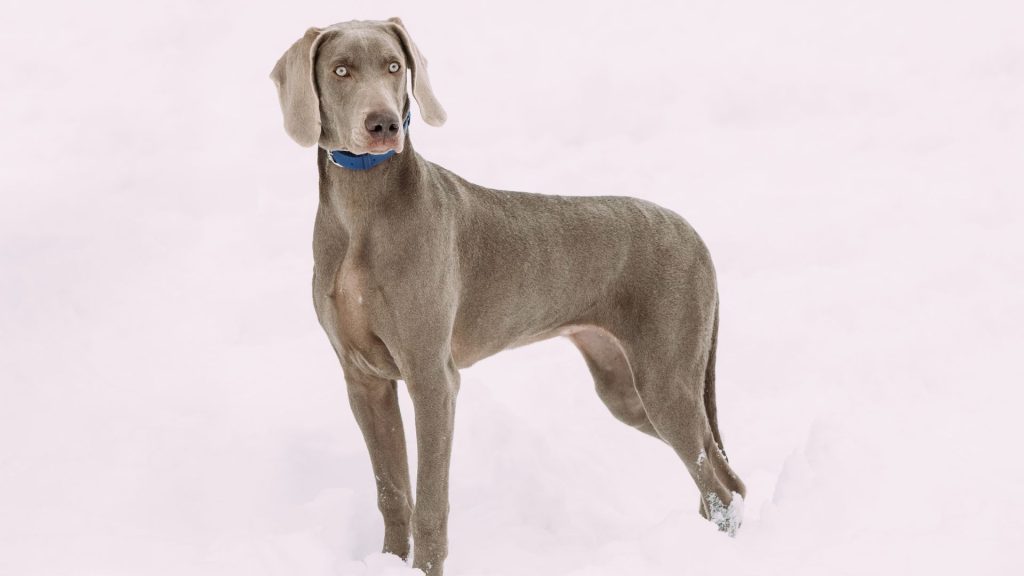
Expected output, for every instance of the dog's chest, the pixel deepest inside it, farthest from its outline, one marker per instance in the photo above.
(356, 301)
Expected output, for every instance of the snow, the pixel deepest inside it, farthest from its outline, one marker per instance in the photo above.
(170, 406)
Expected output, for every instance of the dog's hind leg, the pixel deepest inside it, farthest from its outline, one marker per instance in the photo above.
(670, 382)
(613, 377)
(717, 457)
(374, 402)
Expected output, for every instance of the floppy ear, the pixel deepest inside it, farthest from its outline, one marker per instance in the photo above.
(430, 108)
(293, 76)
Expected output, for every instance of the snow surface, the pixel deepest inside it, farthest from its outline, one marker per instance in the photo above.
(169, 404)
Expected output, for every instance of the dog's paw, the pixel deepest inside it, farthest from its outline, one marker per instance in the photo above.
(727, 518)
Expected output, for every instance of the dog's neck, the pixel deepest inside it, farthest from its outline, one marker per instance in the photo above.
(354, 198)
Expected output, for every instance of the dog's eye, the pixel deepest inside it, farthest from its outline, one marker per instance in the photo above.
(393, 67)
(341, 71)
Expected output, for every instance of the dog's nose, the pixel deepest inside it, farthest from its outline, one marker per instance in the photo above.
(382, 124)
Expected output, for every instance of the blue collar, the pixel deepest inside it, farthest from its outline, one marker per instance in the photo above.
(346, 159)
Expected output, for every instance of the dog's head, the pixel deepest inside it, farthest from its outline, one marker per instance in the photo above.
(344, 87)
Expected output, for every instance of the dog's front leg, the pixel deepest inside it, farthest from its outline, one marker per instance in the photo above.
(433, 390)
(374, 402)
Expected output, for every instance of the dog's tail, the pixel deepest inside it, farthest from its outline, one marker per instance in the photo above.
(709, 388)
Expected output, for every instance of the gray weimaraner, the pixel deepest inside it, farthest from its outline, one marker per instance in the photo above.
(420, 273)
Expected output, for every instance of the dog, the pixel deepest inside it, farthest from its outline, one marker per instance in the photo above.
(419, 273)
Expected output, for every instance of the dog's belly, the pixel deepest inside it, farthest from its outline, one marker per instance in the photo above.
(465, 352)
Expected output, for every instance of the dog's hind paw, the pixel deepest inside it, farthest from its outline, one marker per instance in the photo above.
(727, 518)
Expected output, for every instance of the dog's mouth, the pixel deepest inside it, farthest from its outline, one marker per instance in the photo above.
(381, 146)
(384, 148)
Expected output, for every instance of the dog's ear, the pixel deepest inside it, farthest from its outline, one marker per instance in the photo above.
(293, 76)
(430, 108)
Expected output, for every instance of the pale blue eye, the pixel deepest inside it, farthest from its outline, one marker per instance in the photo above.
(393, 67)
(341, 71)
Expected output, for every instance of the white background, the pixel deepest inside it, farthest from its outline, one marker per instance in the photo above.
(169, 404)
